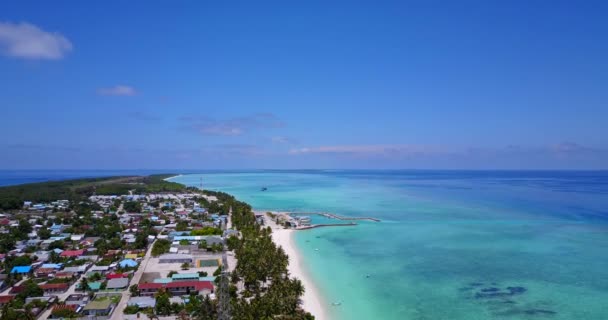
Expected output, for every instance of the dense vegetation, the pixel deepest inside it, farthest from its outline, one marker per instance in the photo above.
(268, 290)
(206, 231)
(160, 246)
(12, 197)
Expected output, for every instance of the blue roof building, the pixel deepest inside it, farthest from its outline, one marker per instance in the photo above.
(128, 263)
(188, 238)
(21, 269)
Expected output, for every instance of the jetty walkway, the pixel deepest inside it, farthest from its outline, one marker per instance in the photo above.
(337, 217)
(312, 226)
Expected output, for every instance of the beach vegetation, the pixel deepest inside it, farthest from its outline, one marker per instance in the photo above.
(268, 290)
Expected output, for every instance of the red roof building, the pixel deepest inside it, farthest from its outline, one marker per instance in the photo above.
(6, 299)
(197, 285)
(72, 253)
(116, 276)
(177, 287)
(17, 289)
(149, 289)
(54, 287)
(146, 286)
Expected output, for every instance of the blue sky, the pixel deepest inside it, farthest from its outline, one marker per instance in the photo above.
(314, 84)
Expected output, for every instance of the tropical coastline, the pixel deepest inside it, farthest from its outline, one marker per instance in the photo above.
(442, 222)
(311, 300)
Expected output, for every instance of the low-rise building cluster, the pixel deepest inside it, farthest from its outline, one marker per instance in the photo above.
(94, 256)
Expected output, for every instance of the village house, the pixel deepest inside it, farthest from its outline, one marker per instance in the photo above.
(117, 283)
(54, 288)
(98, 308)
(177, 288)
(72, 253)
(77, 299)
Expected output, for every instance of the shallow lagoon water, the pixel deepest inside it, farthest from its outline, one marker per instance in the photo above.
(451, 244)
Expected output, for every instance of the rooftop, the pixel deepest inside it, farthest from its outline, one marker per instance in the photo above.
(48, 286)
(21, 269)
(117, 283)
(72, 253)
(145, 286)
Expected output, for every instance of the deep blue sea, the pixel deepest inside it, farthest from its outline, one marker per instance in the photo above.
(451, 244)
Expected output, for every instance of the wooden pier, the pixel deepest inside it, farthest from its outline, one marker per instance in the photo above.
(312, 226)
(337, 217)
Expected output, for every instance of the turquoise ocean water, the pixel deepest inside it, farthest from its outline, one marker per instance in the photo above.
(451, 244)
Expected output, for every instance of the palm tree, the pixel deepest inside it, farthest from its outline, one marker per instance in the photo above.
(28, 314)
(5, 312)
(84, 284)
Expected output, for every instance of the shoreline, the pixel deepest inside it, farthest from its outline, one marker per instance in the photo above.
(311, 300)
(173, 177)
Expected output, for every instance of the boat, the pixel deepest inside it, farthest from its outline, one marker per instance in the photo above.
(264, 189)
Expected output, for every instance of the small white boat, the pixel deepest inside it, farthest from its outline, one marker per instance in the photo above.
(316, 249)
(335, 304)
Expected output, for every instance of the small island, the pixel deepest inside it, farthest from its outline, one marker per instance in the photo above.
(138, 247)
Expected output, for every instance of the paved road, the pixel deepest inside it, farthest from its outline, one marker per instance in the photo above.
(62, 297)
(118, 313)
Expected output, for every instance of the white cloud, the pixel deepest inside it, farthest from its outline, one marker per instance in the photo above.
(233, 126)
(281, 140)
(119, 90)
(27, 41)
(372, 150)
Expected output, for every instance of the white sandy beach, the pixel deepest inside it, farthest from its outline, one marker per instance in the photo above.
(311, 299)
